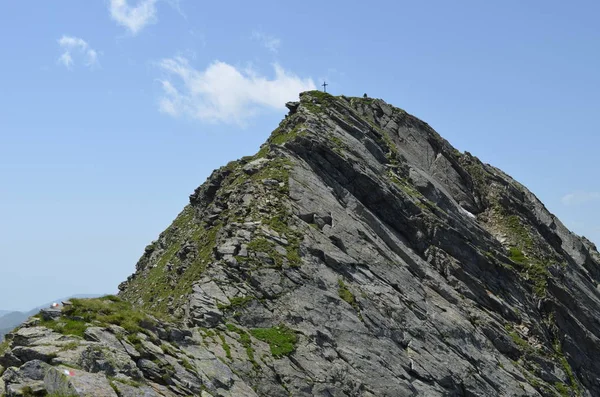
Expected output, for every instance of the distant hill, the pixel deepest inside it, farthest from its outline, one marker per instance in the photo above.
(9, 320)
(13, 319)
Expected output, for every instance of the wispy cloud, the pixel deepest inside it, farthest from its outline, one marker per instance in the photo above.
(223, 94)
(74, 45)
(269, 42)
(580, 197)
(133, 17)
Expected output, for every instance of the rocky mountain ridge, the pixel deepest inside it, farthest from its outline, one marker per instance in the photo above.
(356, 254)
(10, 319)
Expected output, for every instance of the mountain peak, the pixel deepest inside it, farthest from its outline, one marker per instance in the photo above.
(359, 254)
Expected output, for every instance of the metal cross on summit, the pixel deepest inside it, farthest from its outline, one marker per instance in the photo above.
(324, 86)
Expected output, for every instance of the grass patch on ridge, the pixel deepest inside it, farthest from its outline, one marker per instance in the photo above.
(281, 339)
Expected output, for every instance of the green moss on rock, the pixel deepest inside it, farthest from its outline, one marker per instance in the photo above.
(282, 135)
(346, 295)
(281, 339)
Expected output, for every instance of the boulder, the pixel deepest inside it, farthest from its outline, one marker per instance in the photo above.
(72, 382)
(50, 314)
(254, 166)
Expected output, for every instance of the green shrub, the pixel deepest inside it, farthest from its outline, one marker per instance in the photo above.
(135, 340)
(562, 389)
(226, 346)
(281, 339)
(516, 255)
(187, 365)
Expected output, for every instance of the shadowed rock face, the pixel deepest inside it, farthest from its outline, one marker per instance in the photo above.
(357, 254)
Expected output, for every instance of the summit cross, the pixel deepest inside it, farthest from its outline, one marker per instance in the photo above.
(324, 86)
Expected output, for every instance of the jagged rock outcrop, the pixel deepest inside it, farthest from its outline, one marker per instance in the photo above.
(84, 352)
(357, 254)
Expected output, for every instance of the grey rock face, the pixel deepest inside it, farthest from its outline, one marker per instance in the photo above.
(204, 311)
(80, 383)
(357, 254)
(403, 266)
(125, 390)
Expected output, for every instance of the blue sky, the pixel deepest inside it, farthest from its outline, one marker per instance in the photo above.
(113, 111)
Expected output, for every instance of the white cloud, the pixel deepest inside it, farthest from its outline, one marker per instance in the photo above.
(92, 56)
(66, 59)
(70, 45)
(269, 42)
(580, 197)
(134, 17)
(222, 93)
